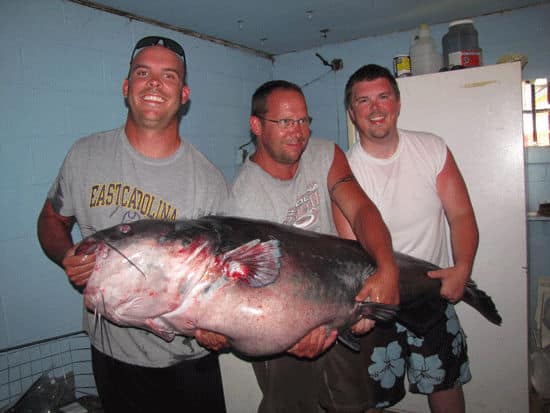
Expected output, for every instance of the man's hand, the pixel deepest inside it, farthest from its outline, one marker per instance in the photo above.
(363, 326)
(314, 343)
(381, 287)
(210, 340)
(453, 282)
(78, 267)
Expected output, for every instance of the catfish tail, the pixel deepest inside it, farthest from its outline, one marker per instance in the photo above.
(479, 300)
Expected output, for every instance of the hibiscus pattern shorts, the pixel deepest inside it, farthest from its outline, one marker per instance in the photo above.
(437, 361)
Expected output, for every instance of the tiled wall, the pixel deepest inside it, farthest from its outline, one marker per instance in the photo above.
(537, 174)
(525, 31)
(62, 68)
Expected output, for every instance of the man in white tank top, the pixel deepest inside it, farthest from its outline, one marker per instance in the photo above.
(414, 181)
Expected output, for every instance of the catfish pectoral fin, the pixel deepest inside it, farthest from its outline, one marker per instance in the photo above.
(350, 340)
(256, 263)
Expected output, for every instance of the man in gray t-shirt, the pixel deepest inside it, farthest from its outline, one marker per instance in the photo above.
(298, 181)
(143, 170)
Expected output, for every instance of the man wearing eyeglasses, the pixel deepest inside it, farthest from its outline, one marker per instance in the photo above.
(141, 170)
(297, 181)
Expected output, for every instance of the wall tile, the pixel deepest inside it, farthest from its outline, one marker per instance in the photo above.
(64, 82)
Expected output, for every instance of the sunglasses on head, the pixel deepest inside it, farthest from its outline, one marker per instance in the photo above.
(161, 41)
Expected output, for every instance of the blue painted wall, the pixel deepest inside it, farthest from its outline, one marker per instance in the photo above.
(537, 175)
(62, 68)
(525, 31)
(537, 171)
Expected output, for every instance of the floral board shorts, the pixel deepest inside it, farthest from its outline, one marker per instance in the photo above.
(437, 361)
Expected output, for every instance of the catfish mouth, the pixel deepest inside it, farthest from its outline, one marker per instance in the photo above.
(95, 302)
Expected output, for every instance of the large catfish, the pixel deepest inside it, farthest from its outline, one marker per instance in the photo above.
(261, 284)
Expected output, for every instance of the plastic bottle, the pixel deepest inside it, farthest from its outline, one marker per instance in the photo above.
(460, 45)
(423, 52)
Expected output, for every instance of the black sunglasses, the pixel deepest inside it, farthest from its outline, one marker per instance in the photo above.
(162, 41)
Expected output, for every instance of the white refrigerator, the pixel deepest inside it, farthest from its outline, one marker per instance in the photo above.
(478, 112)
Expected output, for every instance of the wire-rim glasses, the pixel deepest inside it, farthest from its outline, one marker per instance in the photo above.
(287, 123)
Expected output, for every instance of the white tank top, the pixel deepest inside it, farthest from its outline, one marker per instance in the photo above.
(403, 188)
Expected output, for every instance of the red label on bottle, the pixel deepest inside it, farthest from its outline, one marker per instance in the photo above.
(466, 58)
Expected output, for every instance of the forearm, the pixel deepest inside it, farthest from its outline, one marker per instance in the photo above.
(383, 285)
(459, 212)
(464, 241)
(369, 229)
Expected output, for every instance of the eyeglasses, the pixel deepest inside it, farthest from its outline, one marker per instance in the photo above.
(162, 41)
(288, 123)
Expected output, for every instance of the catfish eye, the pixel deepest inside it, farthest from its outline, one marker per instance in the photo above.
(125, 228)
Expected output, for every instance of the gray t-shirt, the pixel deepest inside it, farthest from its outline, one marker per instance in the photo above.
(302, 201)
(103, 182)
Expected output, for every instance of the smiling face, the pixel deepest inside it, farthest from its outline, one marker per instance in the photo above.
(374, 109)
(280, 147)
(155, 89)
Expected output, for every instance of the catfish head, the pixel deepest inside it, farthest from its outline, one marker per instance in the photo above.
(143, 271)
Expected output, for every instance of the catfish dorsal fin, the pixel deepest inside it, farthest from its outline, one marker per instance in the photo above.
(256, 263)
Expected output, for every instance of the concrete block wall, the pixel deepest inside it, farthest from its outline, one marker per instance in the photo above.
(523, 31)
(62, 68)
(537, 177)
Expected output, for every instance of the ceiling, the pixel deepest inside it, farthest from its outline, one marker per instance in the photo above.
(276, 27)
